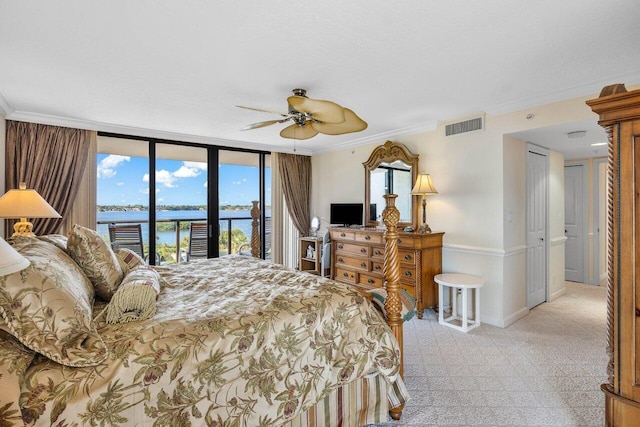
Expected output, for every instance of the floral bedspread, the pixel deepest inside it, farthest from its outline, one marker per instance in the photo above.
(235, 342)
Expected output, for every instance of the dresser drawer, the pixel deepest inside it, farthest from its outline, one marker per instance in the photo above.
(342, 235)
(345, 275)
(407, 257)
(352, 248)
(407, 274)
(377, 252)
(369, 280)
(377, 266)
(405, 242)
(411, 289)
(354, 262)
(375, 238)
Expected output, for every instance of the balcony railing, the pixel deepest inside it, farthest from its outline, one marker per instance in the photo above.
(163, 236)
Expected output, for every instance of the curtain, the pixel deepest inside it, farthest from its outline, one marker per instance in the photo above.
(295, 172)
(84, 208)
(277, 240)
(50, 160)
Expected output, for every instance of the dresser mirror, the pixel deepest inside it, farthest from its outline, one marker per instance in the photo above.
(391, 168)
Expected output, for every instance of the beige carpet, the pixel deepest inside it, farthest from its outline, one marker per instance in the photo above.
(544, 370)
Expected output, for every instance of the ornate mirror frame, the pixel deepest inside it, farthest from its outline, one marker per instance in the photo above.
(390, 152)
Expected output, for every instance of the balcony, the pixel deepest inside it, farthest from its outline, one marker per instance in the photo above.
(172, 235)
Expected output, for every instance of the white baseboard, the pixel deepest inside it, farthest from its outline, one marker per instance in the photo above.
(557, 294)
(503, 323)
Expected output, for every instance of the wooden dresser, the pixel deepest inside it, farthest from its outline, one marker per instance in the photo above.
(357, 257)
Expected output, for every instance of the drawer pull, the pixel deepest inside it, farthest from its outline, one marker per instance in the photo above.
(363, 264)
(367, 237)
(342, 234)
(363, 250)
(407, 257)
(340, 246)
(370, 281)
(340, 259)
(345, 274)
(378, 252)
(378, 267)
(399, 241)
(407, 273)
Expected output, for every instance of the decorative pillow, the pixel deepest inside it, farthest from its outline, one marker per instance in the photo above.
(128, 260)
(14, 361)
(96, 258)
(48, 306)
(57, 239)
(135, 299)
(408, 302)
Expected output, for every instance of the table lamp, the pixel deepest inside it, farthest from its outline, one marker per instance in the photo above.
(10, 260)
(22, 203)
(423, 187)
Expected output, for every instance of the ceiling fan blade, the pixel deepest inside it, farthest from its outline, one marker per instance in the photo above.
(325, 111)
(352, 123)
(299, 132)
(264, 111)
(263, 124)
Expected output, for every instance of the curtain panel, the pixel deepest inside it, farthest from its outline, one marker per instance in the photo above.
(295, 173)
(50, 160)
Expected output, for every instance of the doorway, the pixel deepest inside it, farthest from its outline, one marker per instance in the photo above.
(537, 218)
(575, 218)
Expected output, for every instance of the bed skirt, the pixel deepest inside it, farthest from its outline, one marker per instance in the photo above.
(359, 403)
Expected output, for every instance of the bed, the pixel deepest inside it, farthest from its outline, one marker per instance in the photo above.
(229, 341)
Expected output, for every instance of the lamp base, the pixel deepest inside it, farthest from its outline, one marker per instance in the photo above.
(424, 228)
(23, 229)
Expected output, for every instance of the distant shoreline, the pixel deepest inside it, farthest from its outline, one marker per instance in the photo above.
(140, 208)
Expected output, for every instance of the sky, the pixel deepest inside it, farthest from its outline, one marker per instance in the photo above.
(124, 180)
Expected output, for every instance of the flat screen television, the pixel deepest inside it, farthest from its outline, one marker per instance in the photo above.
(346, 214)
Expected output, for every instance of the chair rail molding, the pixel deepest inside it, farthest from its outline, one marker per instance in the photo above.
(485, 251)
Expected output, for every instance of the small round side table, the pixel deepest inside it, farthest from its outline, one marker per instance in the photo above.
(466, 283)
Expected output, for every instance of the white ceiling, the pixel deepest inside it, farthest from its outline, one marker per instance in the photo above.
(176, 69)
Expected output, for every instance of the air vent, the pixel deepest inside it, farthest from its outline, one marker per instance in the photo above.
(470, 125)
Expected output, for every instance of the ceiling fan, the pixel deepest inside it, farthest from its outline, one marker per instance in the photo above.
(310, 117)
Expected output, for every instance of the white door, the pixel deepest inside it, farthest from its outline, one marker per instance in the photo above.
(574, 223)
(536, 228)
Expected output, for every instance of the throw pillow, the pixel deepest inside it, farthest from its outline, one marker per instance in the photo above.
(48, 306)
(96, 258)
(135, 299)
(128, 260)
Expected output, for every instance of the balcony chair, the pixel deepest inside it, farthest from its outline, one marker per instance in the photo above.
(198, 237)
(129, 236)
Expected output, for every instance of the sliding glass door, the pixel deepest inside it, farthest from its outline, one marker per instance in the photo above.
(181, 202)
(188, 200)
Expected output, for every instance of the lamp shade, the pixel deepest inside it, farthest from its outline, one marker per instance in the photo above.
(23, 203)
(424, 185)
(10, 260)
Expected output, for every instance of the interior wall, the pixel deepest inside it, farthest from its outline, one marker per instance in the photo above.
(479, 186)
(556, 226)
(514, 293)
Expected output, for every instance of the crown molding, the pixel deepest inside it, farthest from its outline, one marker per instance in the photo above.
(562, 95)
(145, 133)
(412, 130)
(5, 106)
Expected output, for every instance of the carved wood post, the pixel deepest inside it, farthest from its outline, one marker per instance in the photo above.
(393, 304)
(255, 230)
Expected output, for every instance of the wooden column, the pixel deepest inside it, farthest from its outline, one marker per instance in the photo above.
(255, 230)
(393, 304)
